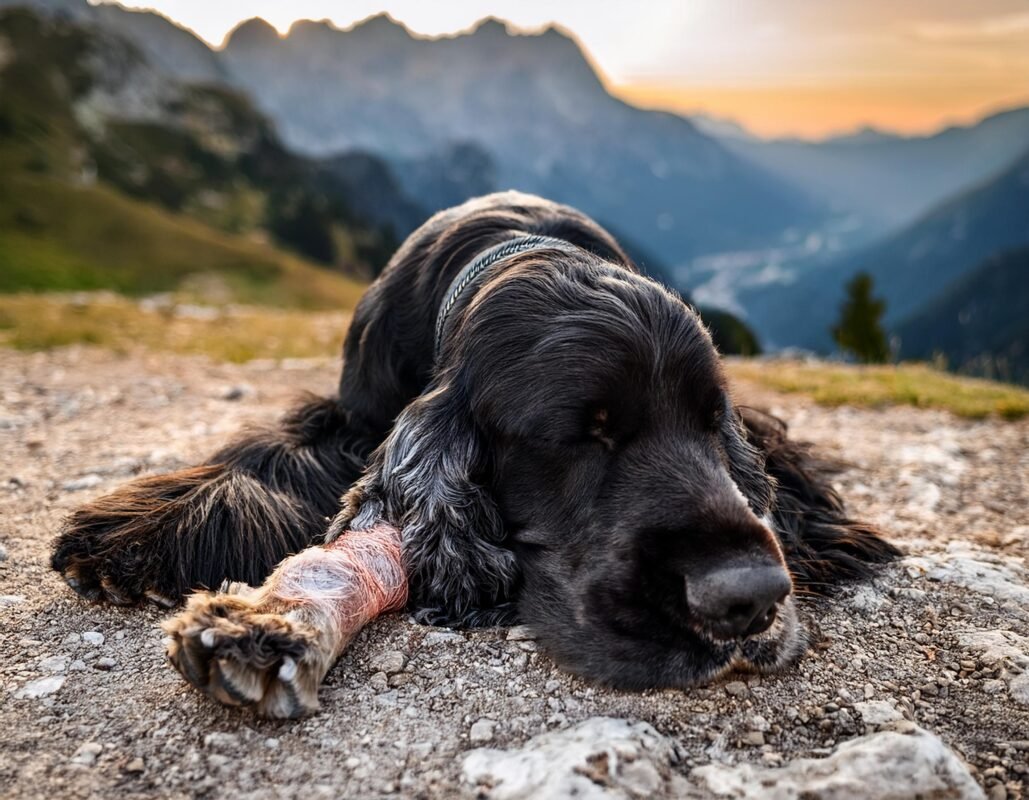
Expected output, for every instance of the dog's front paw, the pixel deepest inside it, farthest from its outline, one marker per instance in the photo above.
(104, 565)
(242, 652)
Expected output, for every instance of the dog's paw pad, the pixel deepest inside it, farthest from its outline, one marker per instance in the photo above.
(242, 655)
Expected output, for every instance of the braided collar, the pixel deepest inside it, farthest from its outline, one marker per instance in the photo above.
(470, 275)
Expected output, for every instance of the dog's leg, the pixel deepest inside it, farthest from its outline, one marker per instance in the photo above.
(262, 497)
(271, 647)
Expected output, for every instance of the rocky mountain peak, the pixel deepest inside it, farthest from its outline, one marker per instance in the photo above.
(254, 32)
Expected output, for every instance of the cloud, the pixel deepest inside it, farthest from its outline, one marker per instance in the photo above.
(984, 29)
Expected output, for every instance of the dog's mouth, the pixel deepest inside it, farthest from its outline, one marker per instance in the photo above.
(779, 646)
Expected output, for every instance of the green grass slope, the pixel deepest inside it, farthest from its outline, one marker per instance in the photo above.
(56, 236)
(113, 176)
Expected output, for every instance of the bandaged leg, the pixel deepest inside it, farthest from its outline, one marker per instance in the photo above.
(272, 646)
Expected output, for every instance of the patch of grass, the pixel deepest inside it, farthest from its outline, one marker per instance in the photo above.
(60, 237)
(912, 384)
(231, 333)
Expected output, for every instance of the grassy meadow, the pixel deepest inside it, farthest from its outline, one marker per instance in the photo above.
(230, 332)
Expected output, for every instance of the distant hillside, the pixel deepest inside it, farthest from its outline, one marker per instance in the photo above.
(891, 180)
(908, 268)
(980, 322)
(81, 106)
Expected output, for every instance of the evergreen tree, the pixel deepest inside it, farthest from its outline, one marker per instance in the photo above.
(860, 330)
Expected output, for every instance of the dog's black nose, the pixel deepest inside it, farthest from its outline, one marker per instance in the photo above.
(734, 602)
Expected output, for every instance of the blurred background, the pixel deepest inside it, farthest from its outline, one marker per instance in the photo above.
(845, 179)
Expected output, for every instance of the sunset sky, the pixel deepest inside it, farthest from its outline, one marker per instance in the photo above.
(777, 66)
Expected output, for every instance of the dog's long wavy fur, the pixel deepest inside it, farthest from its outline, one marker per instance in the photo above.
(270, 492)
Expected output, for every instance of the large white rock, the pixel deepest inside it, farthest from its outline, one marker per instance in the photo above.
(881, 766)
(605, 758)
(1001, 577)
(598, 758)
(1007, 650)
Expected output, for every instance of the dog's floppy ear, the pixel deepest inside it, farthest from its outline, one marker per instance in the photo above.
(423, 479)
(746, 462)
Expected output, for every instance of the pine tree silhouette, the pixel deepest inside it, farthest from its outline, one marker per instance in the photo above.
(860, 330)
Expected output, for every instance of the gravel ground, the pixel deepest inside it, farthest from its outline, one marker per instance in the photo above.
(88, 706)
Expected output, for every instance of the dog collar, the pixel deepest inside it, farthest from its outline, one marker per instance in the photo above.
(477, 267)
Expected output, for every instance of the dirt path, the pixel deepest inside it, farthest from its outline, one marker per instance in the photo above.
(89, 708)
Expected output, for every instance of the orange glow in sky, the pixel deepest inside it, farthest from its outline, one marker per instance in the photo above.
(818, 111)
(779, 67)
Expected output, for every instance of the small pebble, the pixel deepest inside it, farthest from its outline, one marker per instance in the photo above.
(520, 633)
(106, 664)
(93, 637)
(753, 738)
(85, 482)
(736, 688)
(389, 662)
(482, 732)
(87, 753)
(135, 766)
(54, 664)
(237, 392)
(442, 637)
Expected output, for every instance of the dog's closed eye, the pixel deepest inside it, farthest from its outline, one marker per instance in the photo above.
(599, 428)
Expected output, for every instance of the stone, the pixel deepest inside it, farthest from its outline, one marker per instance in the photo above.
(389, 662)
(878, 713)
(220, 740)
(520, 633)
(93, 637)
(736, 689)
(54, 664)
(983, 573)
(482, 732)
(135, 766)
(237, 392)
(441, 637)
(41, 687)
(87, 753)
(11, 599)
(599, 758)
(85, 482)
(1018, 687)
(105, 664)
(884, 765)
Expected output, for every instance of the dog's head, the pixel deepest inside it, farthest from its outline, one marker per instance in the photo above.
(579, 453)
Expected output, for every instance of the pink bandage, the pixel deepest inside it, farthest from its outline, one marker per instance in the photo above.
(355, 579)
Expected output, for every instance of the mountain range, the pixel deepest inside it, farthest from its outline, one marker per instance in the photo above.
(890, 180)
(377, 127)
(531, 101)
(914, 269)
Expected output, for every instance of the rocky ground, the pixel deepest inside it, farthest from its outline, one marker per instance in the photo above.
(918, 684)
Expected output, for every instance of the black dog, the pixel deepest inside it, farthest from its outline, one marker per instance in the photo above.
(554, 436)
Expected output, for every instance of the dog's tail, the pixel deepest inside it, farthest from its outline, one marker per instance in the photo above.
(260, 498)
(822, 544)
